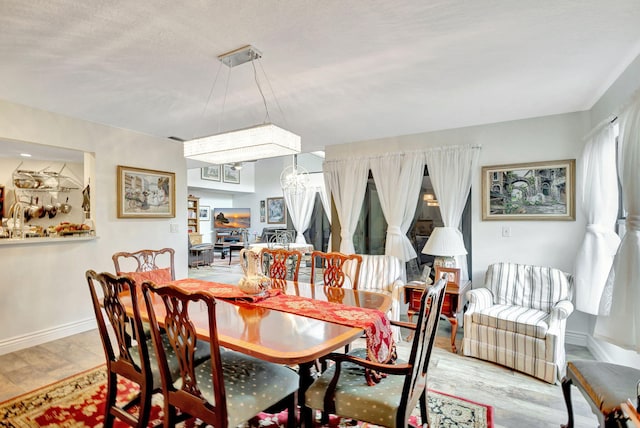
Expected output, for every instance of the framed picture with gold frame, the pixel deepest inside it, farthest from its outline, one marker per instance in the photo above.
(530, 191)
(145, 193)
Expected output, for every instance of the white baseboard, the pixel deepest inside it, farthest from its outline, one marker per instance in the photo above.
(577, 338)
(43, 336)
(599, 352)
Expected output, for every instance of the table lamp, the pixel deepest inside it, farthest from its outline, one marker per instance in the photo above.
(445, 243)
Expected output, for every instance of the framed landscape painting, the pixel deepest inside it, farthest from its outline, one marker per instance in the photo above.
(145, 193)
(230, 175)
(211, 173)
(529, 191)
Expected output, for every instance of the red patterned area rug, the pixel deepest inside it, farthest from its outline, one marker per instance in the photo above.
(78, 401)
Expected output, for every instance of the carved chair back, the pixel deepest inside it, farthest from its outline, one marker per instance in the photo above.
(145, 260)
(281, 264)
(332, 268)
(124, 357)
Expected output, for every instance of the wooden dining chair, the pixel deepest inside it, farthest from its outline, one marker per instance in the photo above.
(343, 391)
(145, 263)
(280, 263)
(226, 390)
(130, 359)
(332, 268)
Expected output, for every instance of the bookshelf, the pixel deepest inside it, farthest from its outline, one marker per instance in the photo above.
(193, 224)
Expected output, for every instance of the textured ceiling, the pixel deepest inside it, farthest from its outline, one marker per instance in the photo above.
(341, 71)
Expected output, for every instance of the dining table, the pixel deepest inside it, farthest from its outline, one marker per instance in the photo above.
(279, 336)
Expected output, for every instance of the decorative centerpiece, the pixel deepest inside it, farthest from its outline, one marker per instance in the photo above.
(253, 281)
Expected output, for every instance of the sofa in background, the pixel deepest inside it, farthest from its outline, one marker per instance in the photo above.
(518, 319)
(200, 254)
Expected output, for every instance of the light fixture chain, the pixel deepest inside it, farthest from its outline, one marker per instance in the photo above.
(267, 118)
(224, 101)
(275, 98)
(206, 105)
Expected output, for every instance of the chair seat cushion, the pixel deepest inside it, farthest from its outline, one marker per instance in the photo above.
(203, 352)
(354, 398)
(517, 319)
(251, 385)
(605, 384)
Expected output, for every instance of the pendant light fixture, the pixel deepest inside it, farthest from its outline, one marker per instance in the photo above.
(261, 141)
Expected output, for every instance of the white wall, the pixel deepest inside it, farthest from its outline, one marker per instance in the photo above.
(44, 293)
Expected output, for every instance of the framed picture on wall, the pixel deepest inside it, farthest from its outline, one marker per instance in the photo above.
(276, 211)
(530, 191)
(204, 213)
(262, 210)
(230, 175)
(211, 173)
(145, 193)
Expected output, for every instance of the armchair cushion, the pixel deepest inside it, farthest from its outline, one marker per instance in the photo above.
(518, 319)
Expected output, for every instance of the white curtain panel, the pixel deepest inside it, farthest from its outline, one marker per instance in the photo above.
(346, 180)
(326, 205)
(398, 179)
(451, 171)
(619, 319)
(599, 201)
(300, 206)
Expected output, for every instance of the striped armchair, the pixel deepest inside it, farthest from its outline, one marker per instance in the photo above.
(518, 319)
(383, 274)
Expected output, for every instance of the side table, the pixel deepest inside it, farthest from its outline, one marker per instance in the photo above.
(452, 307)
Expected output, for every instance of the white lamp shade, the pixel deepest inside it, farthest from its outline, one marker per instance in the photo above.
(256, 142)
(445, 241)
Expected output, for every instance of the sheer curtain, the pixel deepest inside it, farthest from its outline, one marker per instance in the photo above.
(619, 319)
(346, 180)
(300, 206)
(600, 204)
(451, 170)
(398, 178)
(326, 205)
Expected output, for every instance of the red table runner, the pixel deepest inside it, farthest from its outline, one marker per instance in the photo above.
(380, 343)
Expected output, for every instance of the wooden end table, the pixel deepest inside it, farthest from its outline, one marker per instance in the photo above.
(452, 307)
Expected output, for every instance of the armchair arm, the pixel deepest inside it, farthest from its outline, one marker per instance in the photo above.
(479, 298)
(403, 324)
(396, 369)
(329, 397)
(560, 311)
(396, 293)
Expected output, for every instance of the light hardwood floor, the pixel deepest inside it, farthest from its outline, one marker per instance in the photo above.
(519, 401)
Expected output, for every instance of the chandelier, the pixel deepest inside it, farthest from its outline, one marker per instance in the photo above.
(294, 179)
(261, 141)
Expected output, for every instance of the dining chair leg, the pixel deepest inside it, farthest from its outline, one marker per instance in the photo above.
(292, 420)
(424, 410)
(304, 370)
(112, 390)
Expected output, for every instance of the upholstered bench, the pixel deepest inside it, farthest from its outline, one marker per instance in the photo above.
(604, 385)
